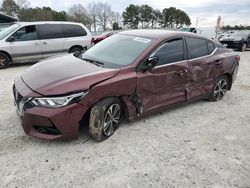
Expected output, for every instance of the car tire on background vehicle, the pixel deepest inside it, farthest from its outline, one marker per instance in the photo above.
(105, 118)
(243, 47)
(220, 88)
(4, 60)
(76, 49)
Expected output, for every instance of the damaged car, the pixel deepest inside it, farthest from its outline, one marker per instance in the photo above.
(128, 75)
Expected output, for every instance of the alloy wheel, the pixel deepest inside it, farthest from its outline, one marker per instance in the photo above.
(220, 89)
(111, 119)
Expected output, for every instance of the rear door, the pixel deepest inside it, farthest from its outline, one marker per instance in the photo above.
(26, 46)
(52, 39)
(75, 35)
(165, 84)
(203, 65)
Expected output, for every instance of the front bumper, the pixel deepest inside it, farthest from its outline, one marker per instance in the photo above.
(231, 44)
(47, 123)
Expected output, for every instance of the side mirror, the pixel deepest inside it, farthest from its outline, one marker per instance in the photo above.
(11, 39)
(151, 63)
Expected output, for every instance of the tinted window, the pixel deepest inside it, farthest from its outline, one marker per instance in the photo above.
(210, 47)
(170, 52)
(50, 31)
(26, 33)
(71, 30)
(197, 47)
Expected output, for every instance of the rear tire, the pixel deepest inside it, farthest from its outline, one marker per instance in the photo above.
(4, 61)
(105, 118)
(76, 49)
(220, 88)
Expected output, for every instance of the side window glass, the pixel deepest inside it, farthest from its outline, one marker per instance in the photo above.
(26, 33)
(170, 52)
(50, 31)
(197, 47)
(71, 30)
(210, 47)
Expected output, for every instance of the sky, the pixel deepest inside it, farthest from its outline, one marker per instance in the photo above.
(233, 12)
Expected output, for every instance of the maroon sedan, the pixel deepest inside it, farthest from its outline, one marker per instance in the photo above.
(130, 74)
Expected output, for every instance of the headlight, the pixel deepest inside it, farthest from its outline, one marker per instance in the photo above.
(57, 102)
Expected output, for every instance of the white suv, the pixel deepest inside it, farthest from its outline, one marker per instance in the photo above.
(33, 41)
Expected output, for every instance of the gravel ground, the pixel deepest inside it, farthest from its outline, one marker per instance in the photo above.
(197, 145)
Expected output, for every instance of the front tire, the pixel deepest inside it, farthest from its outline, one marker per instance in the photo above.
(105, 118)
(220, 88)
(243, 47)
(4, 61)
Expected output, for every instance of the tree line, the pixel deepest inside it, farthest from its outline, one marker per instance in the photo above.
(100, 15)
(236, 27)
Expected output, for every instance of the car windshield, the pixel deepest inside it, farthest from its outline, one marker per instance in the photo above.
(240, 34)
(117, 51)
(8, 30)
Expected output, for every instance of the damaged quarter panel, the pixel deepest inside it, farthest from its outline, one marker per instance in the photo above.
(125, 81)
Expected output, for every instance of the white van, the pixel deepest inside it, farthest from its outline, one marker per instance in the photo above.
(33, 41)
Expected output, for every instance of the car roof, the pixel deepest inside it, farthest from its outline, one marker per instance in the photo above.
(159, 33)
(47, 22)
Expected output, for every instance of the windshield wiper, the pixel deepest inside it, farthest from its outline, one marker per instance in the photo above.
(97, 63)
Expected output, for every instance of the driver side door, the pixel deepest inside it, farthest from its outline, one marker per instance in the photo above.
(165, 83)
(26, 46)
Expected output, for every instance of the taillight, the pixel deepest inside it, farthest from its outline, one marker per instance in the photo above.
(237, 57)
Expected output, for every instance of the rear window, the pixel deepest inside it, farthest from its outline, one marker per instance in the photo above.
(71, 30)
(50, 31)
(197, 47)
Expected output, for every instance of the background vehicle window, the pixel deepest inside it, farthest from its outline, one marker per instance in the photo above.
(197, 47)
(170, 52)
(26, 33)
(50, 31)
(210, 47)
(71, 30)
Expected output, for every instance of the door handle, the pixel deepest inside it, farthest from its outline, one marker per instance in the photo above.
(36, 43)
(44, 42)
(218, 62)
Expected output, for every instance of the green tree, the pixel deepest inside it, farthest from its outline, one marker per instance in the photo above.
(131, 16)
(174, 18)
(9, 7)
(116, 26)
(146, 15)
(156, 17)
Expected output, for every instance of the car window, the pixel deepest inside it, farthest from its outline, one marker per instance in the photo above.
(210, 46)
(26, 33)
(50, 31)
(118, 50)
(197, 47)
(8, 31)
(71, 30)
(169, 52)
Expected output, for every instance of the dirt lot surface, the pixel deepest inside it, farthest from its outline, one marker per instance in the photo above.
(197, 145)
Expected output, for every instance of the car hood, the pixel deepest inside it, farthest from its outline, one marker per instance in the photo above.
(230, 38)
(65, 74)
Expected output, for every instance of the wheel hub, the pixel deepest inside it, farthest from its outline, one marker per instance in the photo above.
(111, 119)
